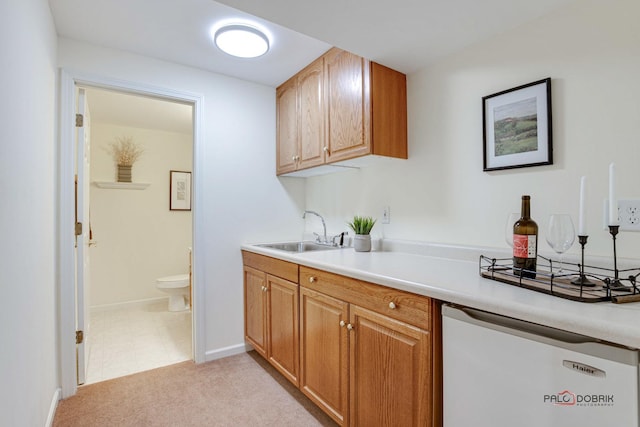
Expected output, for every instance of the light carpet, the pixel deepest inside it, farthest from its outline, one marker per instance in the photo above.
(242, 390)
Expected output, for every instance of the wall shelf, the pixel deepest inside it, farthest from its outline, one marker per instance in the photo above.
(122, 185)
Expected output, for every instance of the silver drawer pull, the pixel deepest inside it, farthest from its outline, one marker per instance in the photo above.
(312, 279)
(392, 305)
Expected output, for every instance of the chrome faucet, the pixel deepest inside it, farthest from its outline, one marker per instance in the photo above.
(324, 226)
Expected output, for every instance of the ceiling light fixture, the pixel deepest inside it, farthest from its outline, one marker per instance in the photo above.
(241, 40)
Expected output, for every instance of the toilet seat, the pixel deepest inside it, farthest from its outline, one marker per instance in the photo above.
(176, 281)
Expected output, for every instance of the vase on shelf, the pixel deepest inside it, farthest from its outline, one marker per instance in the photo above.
(124, 173)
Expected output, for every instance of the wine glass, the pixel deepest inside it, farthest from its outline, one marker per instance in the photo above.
(560, 234)
(508, 227)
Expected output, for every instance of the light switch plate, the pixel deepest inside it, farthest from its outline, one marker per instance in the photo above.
(386, 215)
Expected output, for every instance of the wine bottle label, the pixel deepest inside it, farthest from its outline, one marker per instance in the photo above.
(524, 245)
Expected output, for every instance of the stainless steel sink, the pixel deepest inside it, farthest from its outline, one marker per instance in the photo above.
(298, 246)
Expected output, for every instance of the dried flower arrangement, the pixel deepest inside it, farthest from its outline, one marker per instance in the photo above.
(125, 152)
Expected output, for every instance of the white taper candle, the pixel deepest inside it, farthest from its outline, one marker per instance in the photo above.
(613, 203)
(582, 220)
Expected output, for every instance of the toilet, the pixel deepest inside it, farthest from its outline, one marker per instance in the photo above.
(178, 289)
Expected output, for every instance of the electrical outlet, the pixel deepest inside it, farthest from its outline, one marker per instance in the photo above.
(629, 214)
(386, 215)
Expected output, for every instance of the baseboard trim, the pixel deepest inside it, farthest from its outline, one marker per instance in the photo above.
(53, 407)
(126, 304)
(225, 352)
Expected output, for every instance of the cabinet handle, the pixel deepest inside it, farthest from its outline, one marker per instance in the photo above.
(350, 327)
(312, 279)
(264, 289)
(392, 305)
(342, 323)
(325, 149)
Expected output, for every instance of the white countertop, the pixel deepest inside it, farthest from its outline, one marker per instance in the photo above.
(458, 281)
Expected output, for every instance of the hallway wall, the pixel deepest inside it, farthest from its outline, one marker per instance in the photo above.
(242, 200)
(28, 336)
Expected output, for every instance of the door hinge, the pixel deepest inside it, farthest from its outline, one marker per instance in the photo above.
(79, 337)
(79, 120)
(78, 228)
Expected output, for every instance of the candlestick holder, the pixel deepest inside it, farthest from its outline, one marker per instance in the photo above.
(582, 280)
(615, 283)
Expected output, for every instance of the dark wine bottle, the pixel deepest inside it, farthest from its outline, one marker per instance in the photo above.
(525, 242)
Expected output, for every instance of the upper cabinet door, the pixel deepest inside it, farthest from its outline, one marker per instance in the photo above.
(311, 115)
(287, 127)
(348, 120)
(340, 107)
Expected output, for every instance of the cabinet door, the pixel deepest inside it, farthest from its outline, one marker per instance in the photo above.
(390, 383)
(282, 306)
(311, 115)
(348, 105)
(255, 309)
(286, 127)
(324, 352)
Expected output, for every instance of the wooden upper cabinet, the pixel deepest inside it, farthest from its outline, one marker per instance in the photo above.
(388, 112)
(300, 120)
(286, 127)
(311, 114)
(347, 107)
(348, 116)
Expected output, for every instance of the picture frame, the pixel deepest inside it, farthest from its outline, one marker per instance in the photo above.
(179, 190)
(517, 128)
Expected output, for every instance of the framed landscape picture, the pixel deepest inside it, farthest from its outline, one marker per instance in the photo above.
(517, 127)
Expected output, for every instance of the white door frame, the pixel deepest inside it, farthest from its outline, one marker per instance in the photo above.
(66, 208)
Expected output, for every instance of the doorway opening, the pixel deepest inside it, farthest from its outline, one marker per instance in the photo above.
(136, 238)
(71, 330)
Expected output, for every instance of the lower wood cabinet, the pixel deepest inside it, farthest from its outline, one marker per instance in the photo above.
(255, 309)
(324, 352)
(271, 311)
(390, 371)
(282, 326)
(366, 354)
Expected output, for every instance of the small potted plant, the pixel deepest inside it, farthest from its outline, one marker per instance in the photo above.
(125, 152)
(362, 226)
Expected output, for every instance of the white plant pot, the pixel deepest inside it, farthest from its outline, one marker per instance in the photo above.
(362, 242)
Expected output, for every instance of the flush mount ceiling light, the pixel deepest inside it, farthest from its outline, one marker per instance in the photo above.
(241, 40)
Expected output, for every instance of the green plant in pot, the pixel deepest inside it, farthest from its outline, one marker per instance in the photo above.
(361, 226)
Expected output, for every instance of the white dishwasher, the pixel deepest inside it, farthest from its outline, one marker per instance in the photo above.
(503, 372)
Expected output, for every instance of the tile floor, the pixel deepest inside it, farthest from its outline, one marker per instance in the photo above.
(136, 338)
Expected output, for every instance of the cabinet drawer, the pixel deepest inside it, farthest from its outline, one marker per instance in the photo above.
(276, 267)
(404, 306)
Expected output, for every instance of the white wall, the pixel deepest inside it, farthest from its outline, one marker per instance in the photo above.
(591, 50)
(138, 238)
(28, 361)
(242, 199)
